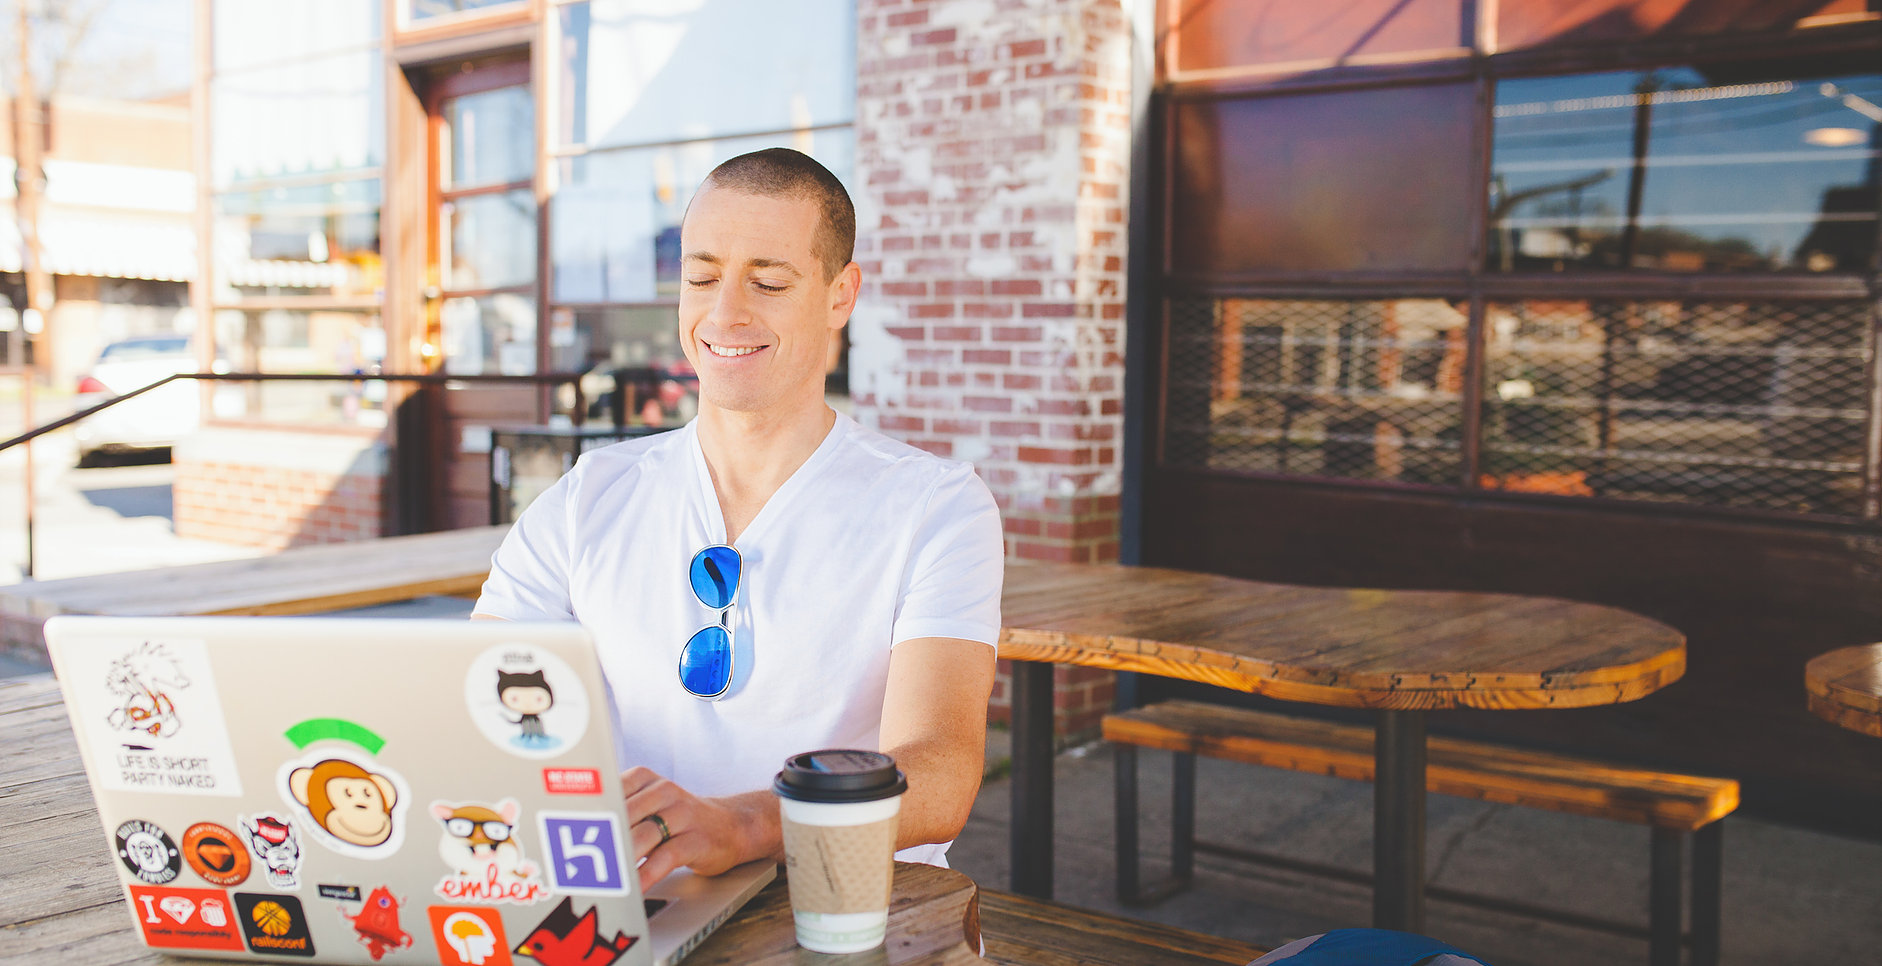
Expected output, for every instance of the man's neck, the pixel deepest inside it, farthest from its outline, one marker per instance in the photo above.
(750, 455)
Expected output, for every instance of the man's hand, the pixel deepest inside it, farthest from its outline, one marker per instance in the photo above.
(708, 835)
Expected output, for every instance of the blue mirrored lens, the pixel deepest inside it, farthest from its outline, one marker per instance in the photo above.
(715, 576)
(706, 663)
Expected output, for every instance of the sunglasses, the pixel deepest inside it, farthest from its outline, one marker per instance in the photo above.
(706, 660)
(463, 827)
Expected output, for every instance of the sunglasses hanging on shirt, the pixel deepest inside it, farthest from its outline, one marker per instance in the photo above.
(706, 660)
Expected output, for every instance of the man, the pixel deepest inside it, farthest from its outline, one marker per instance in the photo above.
(867, 579)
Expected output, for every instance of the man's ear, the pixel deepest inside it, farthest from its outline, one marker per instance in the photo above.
(843, 291)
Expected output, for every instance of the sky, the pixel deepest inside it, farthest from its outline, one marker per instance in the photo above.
(132, 49)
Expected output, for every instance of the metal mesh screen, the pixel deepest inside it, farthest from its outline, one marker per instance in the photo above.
(1341, 389)
(1738, 404)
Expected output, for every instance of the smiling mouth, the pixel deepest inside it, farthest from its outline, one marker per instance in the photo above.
(732, 352)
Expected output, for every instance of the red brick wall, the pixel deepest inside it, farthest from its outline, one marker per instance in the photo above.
(271, 507)
(992, 148)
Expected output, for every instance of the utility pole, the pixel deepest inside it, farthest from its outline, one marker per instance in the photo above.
(29, 183)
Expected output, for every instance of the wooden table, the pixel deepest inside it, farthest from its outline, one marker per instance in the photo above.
(60, 901)
(1399, 652)
(1845, 687)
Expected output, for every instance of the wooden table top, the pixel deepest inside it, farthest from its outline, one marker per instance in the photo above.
(1392, 649)
(60, 900)
(1845, 687)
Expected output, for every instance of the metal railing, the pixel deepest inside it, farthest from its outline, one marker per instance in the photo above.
(578, 411)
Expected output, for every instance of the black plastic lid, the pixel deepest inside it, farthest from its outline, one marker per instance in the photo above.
(839, 775)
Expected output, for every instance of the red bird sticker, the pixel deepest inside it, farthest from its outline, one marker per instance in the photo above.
(565, 939)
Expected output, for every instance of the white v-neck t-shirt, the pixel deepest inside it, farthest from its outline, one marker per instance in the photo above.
(871, 542)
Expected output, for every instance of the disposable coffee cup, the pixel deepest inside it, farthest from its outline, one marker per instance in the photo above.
(839, 810)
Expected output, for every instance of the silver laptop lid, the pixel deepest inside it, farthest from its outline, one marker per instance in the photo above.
(347, 790)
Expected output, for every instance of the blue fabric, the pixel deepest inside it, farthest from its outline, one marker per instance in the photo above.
(1369, 947)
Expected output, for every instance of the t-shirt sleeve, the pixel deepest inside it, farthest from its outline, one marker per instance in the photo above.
(956, 564)
(529, 573)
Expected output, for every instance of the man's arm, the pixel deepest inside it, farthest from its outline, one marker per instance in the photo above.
(934, 723)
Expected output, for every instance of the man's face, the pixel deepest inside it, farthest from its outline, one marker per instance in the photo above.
(756, 316)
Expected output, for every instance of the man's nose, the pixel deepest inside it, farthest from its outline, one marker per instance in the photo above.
(730, 305)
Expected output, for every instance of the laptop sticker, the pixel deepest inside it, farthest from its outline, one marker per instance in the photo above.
(274, 841)
(469, 936)
(153, 719)
(273, 925)
(347, 802)
(149, 852)
(344, 893)
(485, 856)
(526, 700)
(583, 851)
(376, 924)
(185, 918)
(216, 854)
(564, 939)
(571, 781)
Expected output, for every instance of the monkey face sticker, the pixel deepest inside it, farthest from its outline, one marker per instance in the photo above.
(349, 803)
(526, 700)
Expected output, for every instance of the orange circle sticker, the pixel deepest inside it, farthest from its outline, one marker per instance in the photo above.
(216, 854)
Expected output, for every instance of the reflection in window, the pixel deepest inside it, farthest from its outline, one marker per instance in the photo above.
(1745, 404)
(624, 245)
(1337, 389)
(315, 117)
(298, 237)
(638, 73)
(251, 33)
(489, 241)
(1349, 181)
(1213, 34)
(423, 9)
(1676, 170)
(636, 373)
(491, 334)
(320, 340)
(492, 138)
(1531, 23)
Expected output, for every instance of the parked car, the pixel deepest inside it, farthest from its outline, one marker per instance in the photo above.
(153, 420)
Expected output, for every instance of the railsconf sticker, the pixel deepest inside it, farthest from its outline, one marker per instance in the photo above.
(274, 925)
(376, 924)
(584, 852)
(186, 918)
(526, 700)
(484, 854)
(469, 936)
(216, 854)
(152, 720)
(273, 840)
(348, 802)
(563, 938)
(149, 852)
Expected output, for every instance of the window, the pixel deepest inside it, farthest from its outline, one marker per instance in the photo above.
(1215, 35)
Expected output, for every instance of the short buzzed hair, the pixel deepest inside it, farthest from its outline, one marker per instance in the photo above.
(784, 173)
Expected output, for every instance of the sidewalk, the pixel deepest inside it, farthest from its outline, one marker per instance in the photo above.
(1791, 896)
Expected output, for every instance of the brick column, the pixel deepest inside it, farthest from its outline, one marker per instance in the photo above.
(993, 142)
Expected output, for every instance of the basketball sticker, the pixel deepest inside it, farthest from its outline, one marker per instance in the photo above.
(216, 854)
(274, 924)
(149, 852)
(526, 701)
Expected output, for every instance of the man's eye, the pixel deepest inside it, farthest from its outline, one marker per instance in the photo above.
(767, 287)
(700, 282)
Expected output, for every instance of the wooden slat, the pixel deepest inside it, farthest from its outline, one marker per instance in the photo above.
(1466, 769)
(1845, 687)
(1023, 931)
(1337, 646)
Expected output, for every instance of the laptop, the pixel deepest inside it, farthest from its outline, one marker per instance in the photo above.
(362, 790)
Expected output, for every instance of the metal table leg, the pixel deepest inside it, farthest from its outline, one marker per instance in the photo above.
(1398, 822)
(1029, 848)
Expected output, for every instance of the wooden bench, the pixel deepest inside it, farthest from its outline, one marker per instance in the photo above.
(301, 580)
(1672, 805)
(1022, 931)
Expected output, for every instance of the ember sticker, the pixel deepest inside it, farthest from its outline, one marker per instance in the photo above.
(149, 852)
(185, 918)
(571, 781)
(215, 853)
(274, 924)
